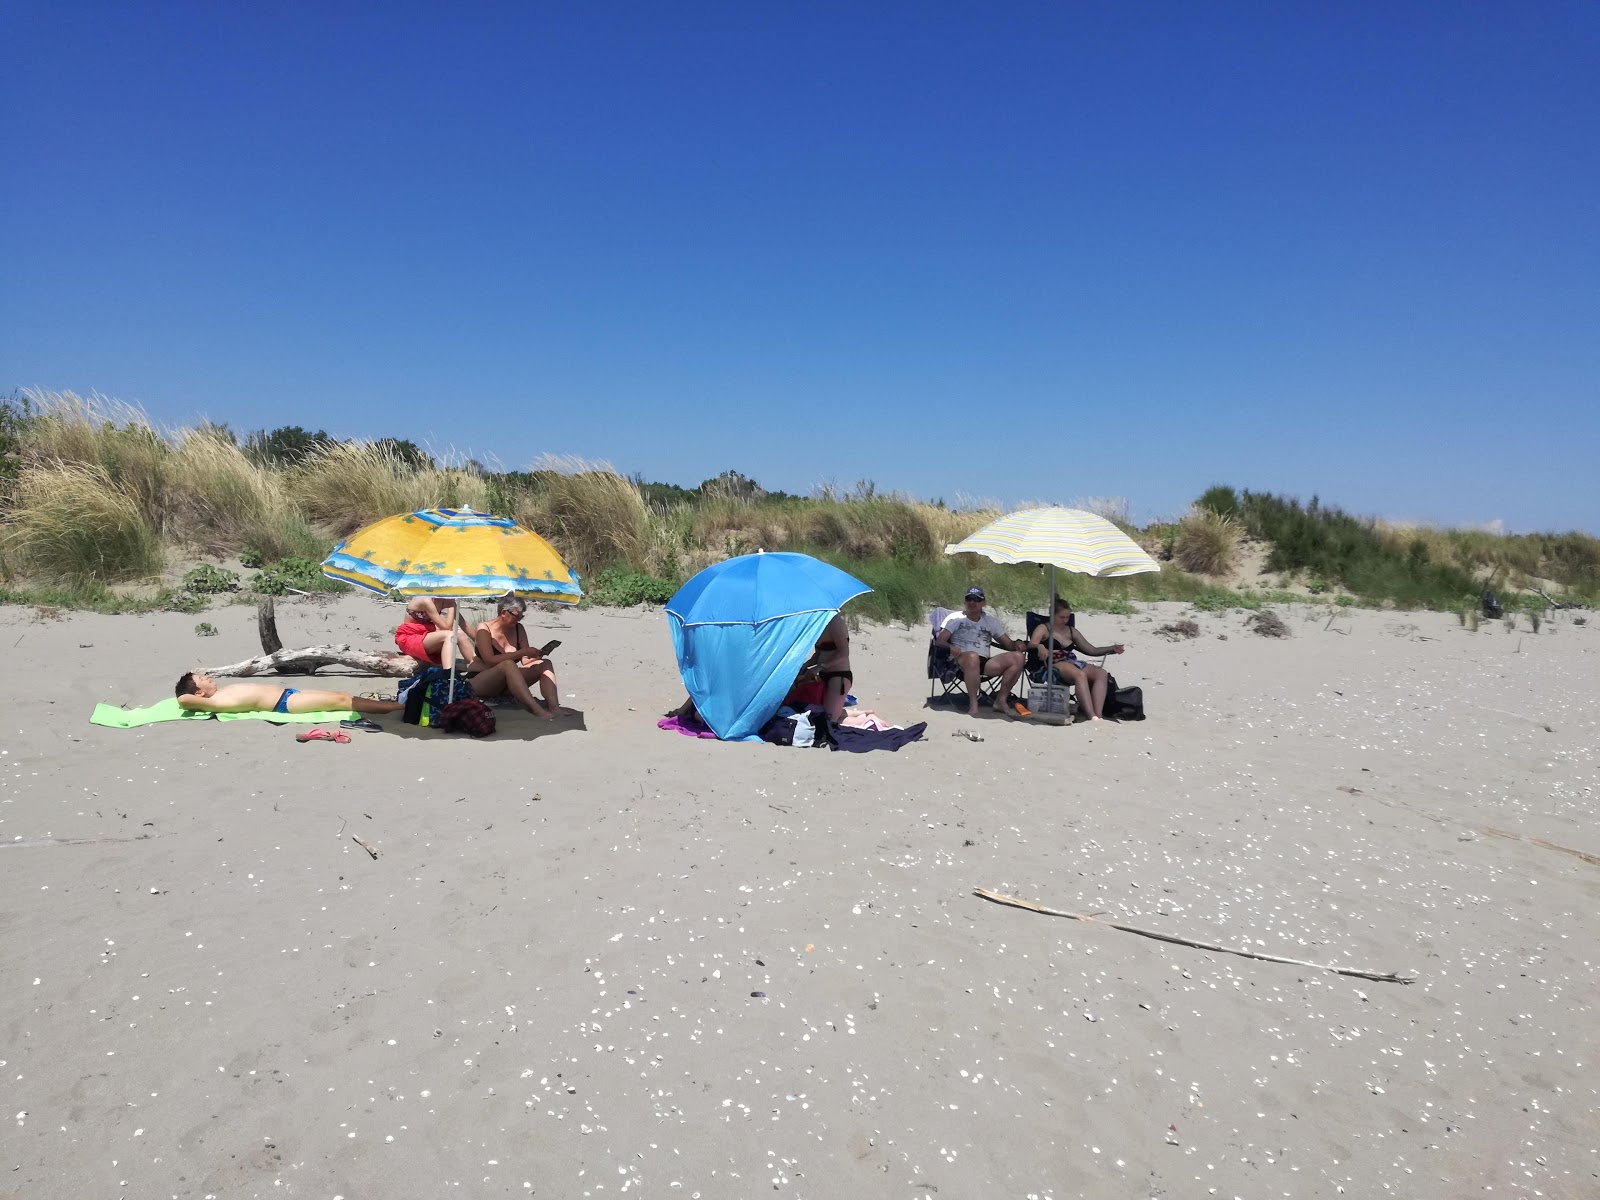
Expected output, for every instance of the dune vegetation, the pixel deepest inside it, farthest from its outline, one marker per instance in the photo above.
(101, 508)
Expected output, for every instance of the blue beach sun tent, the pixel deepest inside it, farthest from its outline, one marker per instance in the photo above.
(743, 628)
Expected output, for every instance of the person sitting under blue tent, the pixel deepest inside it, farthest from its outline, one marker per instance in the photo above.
(970, 634)
(742, 629)
(830, 659)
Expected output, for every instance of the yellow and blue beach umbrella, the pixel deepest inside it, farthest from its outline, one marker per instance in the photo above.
(1068, 538)
(454, 553)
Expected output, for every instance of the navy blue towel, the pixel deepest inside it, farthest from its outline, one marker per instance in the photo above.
(859, 741)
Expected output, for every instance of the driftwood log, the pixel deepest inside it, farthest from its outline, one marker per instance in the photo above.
(306, 660)
(267, 626)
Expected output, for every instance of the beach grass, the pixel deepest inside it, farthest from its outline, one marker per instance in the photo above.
(344, 486)
(118, 439)
(71, 525)
(594, 516)
(1207, 542)
(225, 502)
(92, 493)
(95, 597)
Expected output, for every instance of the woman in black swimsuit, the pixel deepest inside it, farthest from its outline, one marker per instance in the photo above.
(507, 662)
(1087, 680)
(831, 657)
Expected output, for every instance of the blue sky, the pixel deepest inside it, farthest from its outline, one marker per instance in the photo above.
(1020, 251)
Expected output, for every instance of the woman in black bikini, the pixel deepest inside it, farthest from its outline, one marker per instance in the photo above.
(831, 658)
(1089, 681)
(507, 662)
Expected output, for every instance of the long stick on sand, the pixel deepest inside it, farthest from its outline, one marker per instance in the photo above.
(1592, 859)
(1016, 902)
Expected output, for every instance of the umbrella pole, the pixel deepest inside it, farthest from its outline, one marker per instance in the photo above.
(1050, 612)
(1052, 680)
(455, 621)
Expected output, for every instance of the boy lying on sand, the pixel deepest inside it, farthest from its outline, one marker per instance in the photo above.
(198, 692)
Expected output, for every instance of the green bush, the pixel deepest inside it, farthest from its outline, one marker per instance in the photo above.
(179, 600)
(252, 558)
(618, 587)
(207, 580)
(14, 414)
(205, 629)
(1219, 499)
(1337, 549)
(293, 575)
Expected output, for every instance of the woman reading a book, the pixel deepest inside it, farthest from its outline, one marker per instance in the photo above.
(503, 647)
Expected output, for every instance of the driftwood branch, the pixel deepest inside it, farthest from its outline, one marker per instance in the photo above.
(1015, 902)
(267, 625)
(73, 841)
(1592, 859)
(306, 660)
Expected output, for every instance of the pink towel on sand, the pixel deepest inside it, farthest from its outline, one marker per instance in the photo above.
(688, 726)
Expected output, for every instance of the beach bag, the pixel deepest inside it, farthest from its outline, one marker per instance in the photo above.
(413, 693)
(427, 692)
(1123, 703)
(1053, 698)
(799, 729)
(779, 731)
(468, 715)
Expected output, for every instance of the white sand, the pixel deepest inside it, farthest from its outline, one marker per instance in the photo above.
(544, 984)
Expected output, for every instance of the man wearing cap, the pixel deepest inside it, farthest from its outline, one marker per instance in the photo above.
(970, 634)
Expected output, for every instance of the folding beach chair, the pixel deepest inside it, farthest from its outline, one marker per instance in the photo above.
(946, 684)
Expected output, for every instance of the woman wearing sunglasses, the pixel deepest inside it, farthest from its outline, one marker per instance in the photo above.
(507, 662)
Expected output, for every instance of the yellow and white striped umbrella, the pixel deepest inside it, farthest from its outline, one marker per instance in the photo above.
(1062, 537)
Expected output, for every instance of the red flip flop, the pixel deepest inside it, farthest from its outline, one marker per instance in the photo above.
(321, 735)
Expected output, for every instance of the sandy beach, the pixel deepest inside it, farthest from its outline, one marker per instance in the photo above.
(598, 959)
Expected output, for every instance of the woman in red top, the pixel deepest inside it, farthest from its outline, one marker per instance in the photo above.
(425, 633)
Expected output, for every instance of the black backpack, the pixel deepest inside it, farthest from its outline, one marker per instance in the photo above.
(1123, 703)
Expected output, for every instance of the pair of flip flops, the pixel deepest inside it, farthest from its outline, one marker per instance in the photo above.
(321, 735)
(362, 723)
